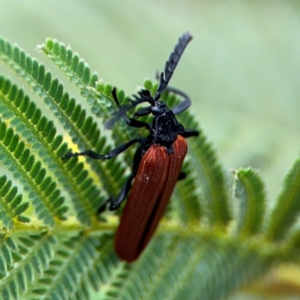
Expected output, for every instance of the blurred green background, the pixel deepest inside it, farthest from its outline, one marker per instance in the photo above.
(241, 70)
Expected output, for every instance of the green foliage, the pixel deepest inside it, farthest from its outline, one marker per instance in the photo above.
(249, 191)
(218, 234)
(287, 208)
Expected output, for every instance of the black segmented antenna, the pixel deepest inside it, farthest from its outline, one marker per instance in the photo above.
(164, 78)
(171, 63)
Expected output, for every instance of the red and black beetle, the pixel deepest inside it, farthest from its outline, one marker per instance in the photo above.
(157, 162)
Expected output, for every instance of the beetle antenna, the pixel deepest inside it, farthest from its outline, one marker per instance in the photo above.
(171, 63)
(144, 95)
(121, 113)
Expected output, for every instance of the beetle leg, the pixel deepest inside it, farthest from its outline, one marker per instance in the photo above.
(189, 132)
(181, 176)
(112, 153)
(137, 123)
(116, 202)
(129, 121)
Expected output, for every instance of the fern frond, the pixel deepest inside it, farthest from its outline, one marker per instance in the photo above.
(98, 94)
(185, 200)
(74, 67)
(51, 266)
(190, 268)
(77, 71)
(249, 190)
(12, 206)
(210, 175)
(41, 189)
(70, 115)
(73, 258)
(29, 254)
(222, 271)
(287, 208)
(40, 134)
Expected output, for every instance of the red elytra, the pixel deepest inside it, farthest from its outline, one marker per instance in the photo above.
(152, 188)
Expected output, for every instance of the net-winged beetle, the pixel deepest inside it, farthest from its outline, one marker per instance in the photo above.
(157, 162)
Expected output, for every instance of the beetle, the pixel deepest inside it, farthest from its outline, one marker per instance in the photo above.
(157, 162)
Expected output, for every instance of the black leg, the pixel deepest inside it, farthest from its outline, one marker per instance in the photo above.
(189, 133)
(181, 176)
(137, 124)
(110, 154)
(129, 121)
(115, 203)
